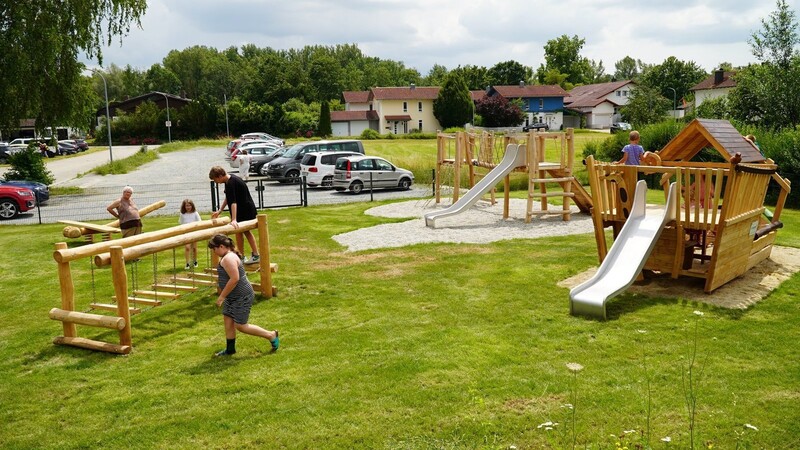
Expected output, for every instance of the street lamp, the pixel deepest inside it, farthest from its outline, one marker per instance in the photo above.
(227, 129)
(674, 104)
(108, 116)
(169, 123)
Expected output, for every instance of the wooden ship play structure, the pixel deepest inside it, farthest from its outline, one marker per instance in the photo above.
(493, 159)
(127, 302)
(715, 228)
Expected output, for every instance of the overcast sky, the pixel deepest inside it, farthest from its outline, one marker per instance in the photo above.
(421, 33)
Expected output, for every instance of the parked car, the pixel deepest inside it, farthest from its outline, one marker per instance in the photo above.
(22, 143)
(538, 126)
(260, 158)
(356, 173)
(41, 191)
(258, 149)
(263, 137)
(5, 152)
(620, 126)
(15, 200)
(287, 167)
(66, 148)
(245, 145)
(80, 144)
(318, 167)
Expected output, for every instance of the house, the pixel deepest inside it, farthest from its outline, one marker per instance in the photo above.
(357, 116)
(599, 103)
(541, 103)
(717, 85)
(128, 106)
(395, 110)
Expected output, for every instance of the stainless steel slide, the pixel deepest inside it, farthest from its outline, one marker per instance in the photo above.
(514, 157)
(627, 256)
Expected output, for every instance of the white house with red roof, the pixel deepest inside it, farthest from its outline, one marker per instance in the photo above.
(356, 117)
(599, 103)
(395, 110)
(719, 84)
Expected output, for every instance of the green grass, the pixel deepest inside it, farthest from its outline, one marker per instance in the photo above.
(429, 346)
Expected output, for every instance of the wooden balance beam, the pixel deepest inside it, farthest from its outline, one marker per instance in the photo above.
(76, 229)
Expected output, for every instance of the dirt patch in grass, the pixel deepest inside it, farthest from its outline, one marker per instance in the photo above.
(741, 293)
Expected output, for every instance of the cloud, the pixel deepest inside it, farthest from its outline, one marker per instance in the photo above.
(422, 33)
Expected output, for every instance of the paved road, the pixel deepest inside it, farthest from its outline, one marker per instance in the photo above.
(172, 178)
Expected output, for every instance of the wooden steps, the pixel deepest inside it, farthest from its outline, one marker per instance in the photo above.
(174, 287)
(113, 307)
(156, 294)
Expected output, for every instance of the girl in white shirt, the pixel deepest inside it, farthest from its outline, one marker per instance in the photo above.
(189, 214)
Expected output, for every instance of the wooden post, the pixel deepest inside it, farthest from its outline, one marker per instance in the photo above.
(457, 165)
(67, 292)
(120, 277)
(263, 248)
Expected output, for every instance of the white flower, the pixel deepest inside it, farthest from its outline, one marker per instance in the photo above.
(666, 439)
(752, 427)
(628, 431)
(699, 313)
(641, 331)
(574, 367)
(512, 447)
(546, 424)
(548, 428)
(568, 406)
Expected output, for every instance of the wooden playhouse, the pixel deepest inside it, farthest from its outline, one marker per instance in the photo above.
(722, 228)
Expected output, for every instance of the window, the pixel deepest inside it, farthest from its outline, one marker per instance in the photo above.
(383, 165)
(624, 93)
(366, 164)
(350, 147)
(541, 103)
(619, 93)
(405, 106)
(420, 106)
(420, 125)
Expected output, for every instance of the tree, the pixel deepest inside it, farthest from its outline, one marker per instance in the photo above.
(497, 111)
(627, 68)
(776, 41)
(768, 93)
(40, 43)
(597, 73)
(563, 54)
(453, 106)
(673, 74)
(436, 76)
(646, 105)
(509, 73)
(476, 77)
(325, 128)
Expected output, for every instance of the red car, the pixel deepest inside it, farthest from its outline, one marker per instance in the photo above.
(14, 200)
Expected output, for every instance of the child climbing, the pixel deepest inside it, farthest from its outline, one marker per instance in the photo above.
(632, 153)
(189, 214)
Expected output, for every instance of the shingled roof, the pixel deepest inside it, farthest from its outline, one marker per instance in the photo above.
(708, 83)
(702, 133)
(529, 91)
(347, 116)
(404, 93)
(591, 95)
(355, 96)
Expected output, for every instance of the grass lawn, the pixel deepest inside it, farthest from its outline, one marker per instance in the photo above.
(429, 346)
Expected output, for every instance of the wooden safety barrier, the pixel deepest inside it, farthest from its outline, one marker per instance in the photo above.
(115, 253)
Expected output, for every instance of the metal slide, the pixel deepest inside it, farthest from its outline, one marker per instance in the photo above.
(627, 256)
(514, 157)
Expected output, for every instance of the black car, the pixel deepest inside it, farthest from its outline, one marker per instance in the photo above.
(5, 152)
(41, 190)
(538, 126)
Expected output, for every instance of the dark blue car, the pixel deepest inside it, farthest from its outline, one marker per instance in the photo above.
(40, 189)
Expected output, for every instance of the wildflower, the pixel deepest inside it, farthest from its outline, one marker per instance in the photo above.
(512, 447)
(641, 331)
(666, 439)
(629, 431)
(546, 424)
(699, 313)
(574, 367)
(752, 427)
(568, 406)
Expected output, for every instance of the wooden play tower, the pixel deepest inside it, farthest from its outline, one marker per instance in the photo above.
(480, 154)
(721, 227)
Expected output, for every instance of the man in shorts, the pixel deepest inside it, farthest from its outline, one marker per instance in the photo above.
(241, 206)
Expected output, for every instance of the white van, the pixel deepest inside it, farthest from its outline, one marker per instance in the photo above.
(318, 167)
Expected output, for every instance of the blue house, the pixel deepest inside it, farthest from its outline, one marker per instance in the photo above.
(541, 103)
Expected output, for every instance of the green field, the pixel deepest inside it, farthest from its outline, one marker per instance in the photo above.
(422, 347)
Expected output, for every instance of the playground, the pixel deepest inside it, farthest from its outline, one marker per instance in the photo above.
(430, 341)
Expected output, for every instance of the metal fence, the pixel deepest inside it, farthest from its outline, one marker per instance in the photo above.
(90, 204)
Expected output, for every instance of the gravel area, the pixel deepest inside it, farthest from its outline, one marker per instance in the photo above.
(483, 223)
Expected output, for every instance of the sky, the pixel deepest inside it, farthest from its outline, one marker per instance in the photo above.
(421, 33)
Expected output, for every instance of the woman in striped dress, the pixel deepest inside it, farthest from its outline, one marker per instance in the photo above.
(235, 296)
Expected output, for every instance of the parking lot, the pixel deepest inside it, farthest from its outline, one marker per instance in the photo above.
(172, 178)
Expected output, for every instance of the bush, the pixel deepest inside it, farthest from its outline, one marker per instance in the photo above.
(369, 134)
(28, 165)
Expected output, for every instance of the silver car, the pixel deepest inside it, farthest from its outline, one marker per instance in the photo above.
(356, 173)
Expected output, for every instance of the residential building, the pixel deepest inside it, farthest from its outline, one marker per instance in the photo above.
(356, 117)
(161, 99)
(541, 103)
(402, 109)
(717, 85)
(599, 103)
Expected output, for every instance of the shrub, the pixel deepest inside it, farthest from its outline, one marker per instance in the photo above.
(370, 134)
(28, 165)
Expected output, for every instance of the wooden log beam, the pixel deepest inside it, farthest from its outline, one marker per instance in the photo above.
(76, 232)
(92, 345)
(92, 320)
(70, 254)
(174, 241)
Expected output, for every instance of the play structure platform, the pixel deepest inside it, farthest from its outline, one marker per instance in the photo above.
(714, 225)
